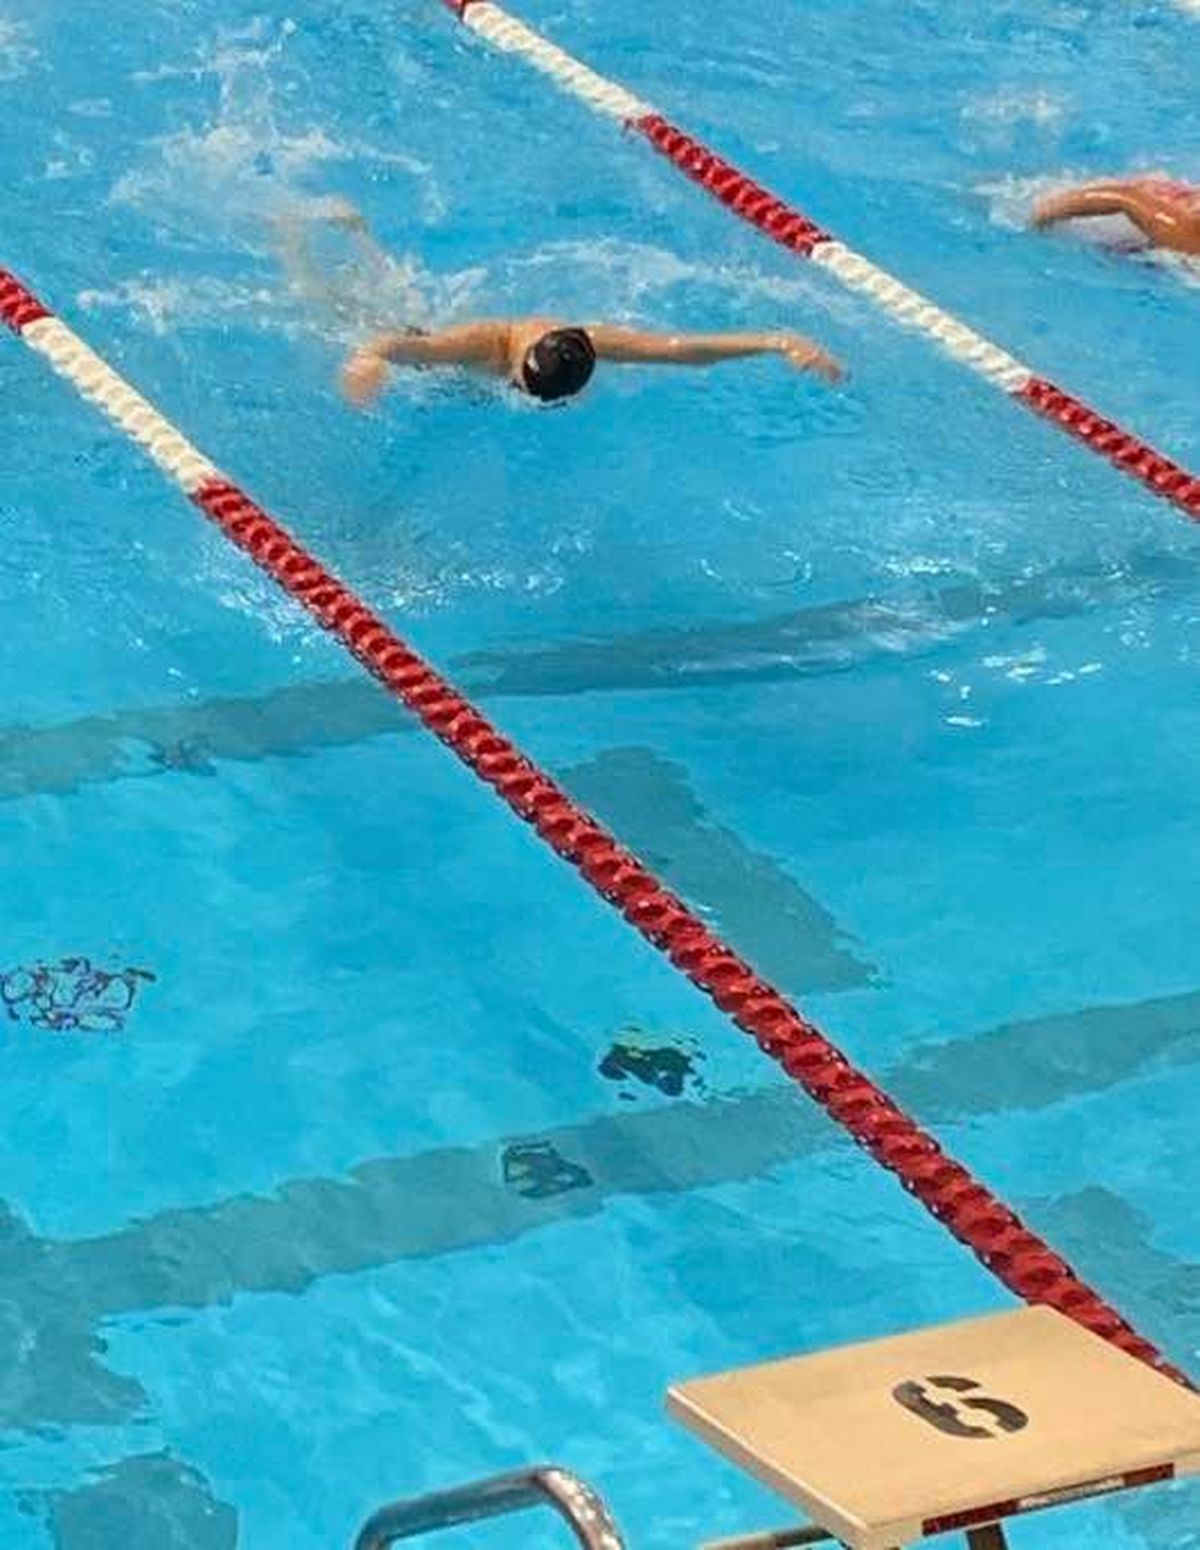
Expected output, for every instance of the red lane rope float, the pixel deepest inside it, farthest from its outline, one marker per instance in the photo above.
(1134, 456)
(790, 227)
(1013, 1253)
(737, 192)
(18, 307)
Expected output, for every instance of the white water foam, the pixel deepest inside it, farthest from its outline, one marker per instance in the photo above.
(245, 179)
(161, 305)
(625, 280)
(17, 51)
(1011, 106)
(251, 163)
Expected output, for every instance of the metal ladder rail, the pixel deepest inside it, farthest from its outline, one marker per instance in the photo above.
(544, 1486)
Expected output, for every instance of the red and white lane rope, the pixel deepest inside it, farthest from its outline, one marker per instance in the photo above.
(1017, 1256)
(804, 237)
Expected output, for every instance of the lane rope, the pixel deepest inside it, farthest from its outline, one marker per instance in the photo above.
(794, 230)
(1013, 1253)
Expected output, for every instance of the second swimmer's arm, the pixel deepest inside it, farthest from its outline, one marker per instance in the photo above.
(1078, 203)
(631, 345)
(1159, 218)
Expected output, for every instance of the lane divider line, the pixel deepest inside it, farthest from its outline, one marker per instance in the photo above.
(794, 230)
(1009, 1249)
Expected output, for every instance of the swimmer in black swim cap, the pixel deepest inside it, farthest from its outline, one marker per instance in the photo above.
(552, 360)
(548, 359)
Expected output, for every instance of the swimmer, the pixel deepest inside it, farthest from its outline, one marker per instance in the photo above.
(1167, 212)
(549, 359)
(545, 358)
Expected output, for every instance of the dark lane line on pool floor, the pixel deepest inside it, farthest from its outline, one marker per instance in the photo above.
(55, 1294)
(302, 718)
(789, 935)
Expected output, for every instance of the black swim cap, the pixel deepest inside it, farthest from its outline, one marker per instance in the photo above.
(559, 364)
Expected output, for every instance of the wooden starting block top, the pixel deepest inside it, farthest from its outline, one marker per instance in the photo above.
(949, 1428)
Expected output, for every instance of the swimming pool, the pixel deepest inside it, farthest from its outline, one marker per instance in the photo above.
(896, 684)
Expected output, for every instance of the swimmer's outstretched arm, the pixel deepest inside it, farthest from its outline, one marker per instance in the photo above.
(1159, 218)
(630, 345)
(483, 346)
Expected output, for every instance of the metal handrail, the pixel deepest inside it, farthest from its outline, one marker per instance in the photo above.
(772, 1539)
(545, 1486)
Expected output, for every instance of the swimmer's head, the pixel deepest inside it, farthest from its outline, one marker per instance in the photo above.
(559, 365)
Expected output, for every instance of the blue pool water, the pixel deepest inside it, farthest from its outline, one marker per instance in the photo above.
(894, 683)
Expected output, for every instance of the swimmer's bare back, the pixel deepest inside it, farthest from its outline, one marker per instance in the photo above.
(502, 348)
(1166, 212)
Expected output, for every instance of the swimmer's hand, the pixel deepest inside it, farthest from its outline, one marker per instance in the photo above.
(804, 355)
(363, 377)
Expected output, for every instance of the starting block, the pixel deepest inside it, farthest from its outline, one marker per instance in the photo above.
(954, 1428)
